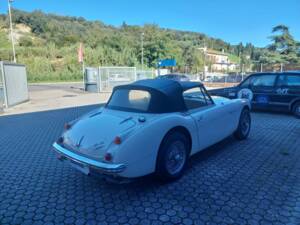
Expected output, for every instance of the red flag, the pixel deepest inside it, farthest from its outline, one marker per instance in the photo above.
(80, 53)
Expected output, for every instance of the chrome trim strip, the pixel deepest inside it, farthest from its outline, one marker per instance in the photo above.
(105, 167)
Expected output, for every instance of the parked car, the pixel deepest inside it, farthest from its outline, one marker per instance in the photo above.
(176, 77)
(274, 91)
(151, 126)
(118, 78)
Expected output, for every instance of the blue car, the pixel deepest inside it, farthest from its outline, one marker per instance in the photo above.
(268, 91)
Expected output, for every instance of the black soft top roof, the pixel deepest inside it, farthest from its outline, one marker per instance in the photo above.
(165, 84)
(166, 94)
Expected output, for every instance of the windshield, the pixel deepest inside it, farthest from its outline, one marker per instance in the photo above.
(130, 100)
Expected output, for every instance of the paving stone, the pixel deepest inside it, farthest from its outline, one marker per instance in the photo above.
(255, 181)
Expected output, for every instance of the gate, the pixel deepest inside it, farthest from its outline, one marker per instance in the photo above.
(109, 77)
(13, 84)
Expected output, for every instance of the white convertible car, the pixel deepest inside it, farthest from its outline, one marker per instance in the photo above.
(151, 126)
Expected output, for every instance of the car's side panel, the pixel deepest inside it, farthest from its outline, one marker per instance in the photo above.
(287, 94)
(216, 122)
(139, 151)
(209, 125)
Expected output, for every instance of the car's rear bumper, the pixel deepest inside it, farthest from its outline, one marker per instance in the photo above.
(110, 168)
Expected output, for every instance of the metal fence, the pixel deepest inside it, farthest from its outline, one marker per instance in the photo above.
(145, 74)
(244, 70)
(228, 78)
(109, 77)
(104, 79)
(273, 67)
(13, 84)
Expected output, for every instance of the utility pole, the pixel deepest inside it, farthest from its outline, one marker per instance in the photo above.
(204, 58)
(11, 30)
(142, 48)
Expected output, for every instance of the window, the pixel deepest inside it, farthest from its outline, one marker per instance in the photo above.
(196, 98)
(263, 80)
(128, 100)
(206, 96)
(245, 83)
(289, 80)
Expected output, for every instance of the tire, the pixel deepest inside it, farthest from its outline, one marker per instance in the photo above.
(296, 110)
(243, 130)
(172, 156)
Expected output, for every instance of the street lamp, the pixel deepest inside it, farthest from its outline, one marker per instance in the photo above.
(142, 48)
(11, 30)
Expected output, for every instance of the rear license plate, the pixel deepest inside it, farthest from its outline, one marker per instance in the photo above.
(80, 167)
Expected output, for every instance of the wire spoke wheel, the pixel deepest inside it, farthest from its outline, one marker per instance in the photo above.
(243, 130)
(176, 157)
(245, 123)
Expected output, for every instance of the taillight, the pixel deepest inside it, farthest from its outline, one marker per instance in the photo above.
(117, 140)
(108, 157)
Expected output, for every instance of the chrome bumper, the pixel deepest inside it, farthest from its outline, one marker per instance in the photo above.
(101, 166)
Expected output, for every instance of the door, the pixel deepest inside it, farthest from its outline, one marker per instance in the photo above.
(211, 120)
(263, 88)
(287, 90)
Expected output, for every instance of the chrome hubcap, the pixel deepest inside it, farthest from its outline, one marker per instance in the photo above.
(176, 156)
(298, 110)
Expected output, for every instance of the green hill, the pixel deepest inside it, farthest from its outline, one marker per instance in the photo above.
(48, 44)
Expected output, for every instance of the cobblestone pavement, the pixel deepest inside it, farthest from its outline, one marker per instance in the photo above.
(256, 181)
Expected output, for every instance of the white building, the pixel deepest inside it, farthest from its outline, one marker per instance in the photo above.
(219, 61)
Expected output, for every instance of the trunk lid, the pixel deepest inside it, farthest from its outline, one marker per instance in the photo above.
(93, 134)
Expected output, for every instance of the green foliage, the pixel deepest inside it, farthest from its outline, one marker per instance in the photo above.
(50, 51)
(233, 58)
(25, 41)
(284, 45)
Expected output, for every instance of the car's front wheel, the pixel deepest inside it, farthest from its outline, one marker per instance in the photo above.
(172, 156)
(296, 109)
(243, 130)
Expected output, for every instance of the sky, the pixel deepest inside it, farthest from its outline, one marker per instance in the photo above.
(233, 21)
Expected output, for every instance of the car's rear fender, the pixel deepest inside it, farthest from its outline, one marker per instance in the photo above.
(139, 151)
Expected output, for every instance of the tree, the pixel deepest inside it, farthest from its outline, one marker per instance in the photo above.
(284, 44)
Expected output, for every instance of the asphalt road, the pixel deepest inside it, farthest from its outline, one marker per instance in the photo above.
(256, 181)
(75, 86)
